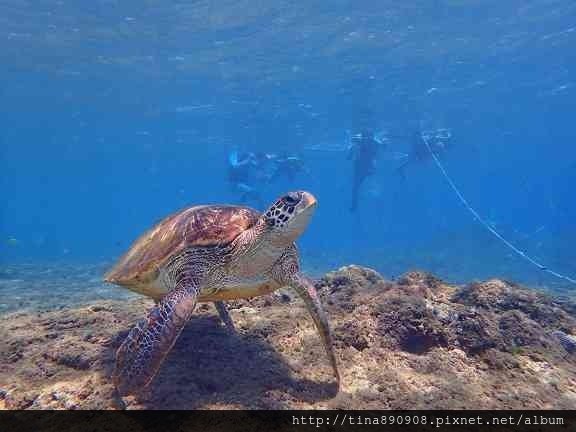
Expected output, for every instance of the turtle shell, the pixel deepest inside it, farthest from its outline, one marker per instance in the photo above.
(200, 226)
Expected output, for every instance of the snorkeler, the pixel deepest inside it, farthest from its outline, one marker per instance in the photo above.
(364, 148)
(288, 167)
(438, 141)
(242, 170)
(264, 167)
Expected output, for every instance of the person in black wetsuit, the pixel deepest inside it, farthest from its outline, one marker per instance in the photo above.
(288, 167)
(364, 149)
(265, 167)
(242, 176)
(438, 140)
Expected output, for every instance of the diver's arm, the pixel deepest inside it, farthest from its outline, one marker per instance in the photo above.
(352, 150)
(234, 161)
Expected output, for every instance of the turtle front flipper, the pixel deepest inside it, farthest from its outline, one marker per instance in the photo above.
(140, 356)
(306, 290)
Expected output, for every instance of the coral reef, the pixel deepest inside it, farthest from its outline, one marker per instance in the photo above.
(412, 343)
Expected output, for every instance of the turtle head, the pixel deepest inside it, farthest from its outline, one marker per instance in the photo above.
(289, 216)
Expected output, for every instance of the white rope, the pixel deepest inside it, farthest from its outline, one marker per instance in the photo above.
(487, 225)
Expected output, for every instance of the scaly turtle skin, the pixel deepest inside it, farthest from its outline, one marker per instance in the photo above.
(210, 254)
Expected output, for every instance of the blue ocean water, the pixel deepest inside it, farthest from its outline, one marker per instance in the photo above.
(115, 114)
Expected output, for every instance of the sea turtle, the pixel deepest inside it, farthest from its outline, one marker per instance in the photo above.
(210, 253)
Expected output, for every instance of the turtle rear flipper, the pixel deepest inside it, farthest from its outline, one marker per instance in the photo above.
(140, 356)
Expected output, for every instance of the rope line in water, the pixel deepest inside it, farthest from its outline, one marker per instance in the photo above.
(486, 224)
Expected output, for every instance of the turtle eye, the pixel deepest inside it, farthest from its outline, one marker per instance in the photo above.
(292, 198)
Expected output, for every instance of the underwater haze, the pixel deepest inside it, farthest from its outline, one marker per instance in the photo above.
(115, 114)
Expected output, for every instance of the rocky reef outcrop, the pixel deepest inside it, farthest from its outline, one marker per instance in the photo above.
(412, 343)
